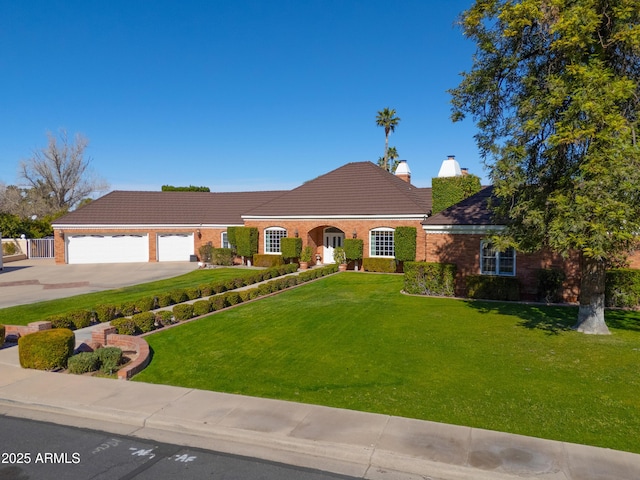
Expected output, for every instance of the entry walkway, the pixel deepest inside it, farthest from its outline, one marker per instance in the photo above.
(353, 443)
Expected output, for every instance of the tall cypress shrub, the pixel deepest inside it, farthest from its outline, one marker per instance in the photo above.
(404, 240)
(291, 248)
(246, 241)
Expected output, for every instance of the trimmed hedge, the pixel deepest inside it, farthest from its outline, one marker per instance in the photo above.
(404, 243)
(165, 317)
(549, 285)
(2, 335)
(201, 307)
(246, 241)
(493, 287)
(425, 278)
(105, 313)
(145, 304)
(622, 288)
(47, 349)
(80, 318)
(60, 321)
(447, 191)
(267, 260)
(383, 265)
(291, 247)
(222, 256)
(353, 248)
(144, 322)
(124, 326)
(183, 311)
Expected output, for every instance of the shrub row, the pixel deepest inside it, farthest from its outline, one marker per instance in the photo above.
(423, 278)
(142, 323)
(105, 359)
(491, 287)
(47, 349)
(267, 260)
(382, 265)
(2, 335)
(622, 288)
(106, 312)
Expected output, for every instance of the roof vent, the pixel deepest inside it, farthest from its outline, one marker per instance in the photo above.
(450, 168)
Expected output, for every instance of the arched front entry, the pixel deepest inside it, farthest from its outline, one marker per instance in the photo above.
(333, 238)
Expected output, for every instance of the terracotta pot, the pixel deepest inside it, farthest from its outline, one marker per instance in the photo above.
(342, 267)
(304, 265)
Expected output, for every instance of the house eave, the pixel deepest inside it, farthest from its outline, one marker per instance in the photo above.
(140, 226)
(463, 229)
(411, 216)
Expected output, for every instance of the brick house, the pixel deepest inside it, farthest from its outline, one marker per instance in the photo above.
(357, 200)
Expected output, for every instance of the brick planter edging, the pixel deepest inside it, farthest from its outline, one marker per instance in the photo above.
(131, 343)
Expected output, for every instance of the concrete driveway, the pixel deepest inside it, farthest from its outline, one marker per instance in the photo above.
(30, 281)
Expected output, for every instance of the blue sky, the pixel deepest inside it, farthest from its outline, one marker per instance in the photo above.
(233, 95)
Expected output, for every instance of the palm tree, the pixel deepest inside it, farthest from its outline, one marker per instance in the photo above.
(392, 160)
(386, 118)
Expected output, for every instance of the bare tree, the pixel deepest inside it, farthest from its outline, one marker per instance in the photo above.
(61, 173)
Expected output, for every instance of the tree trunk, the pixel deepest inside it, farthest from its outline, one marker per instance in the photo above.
(591, 312)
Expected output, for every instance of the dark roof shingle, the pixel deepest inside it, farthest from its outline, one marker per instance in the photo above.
(167, 208)
(359, 188)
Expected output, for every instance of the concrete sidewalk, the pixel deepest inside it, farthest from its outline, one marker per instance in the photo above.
(353, 443)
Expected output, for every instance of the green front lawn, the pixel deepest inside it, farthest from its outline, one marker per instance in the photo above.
(353, 341)
(24, 314)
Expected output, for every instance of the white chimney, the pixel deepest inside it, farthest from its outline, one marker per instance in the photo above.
(450, 168)
(403, 171)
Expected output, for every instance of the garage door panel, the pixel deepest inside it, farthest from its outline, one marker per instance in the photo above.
(175, 247)
(107, 248)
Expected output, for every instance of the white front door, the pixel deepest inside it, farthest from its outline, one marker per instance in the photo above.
(332, 240)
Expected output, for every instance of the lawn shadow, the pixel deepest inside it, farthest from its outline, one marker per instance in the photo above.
(551, 319)
(554, 319)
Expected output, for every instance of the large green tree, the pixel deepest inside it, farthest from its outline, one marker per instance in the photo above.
(387, 119)
(554, 89)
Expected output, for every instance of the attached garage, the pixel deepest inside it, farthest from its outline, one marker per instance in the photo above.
(175, 247)
(107, 248)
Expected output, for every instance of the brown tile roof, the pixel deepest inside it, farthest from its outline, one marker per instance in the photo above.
(359, 188)
(167, 208)
(470, 211)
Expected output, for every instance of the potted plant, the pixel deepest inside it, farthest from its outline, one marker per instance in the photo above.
(340, 257)
(305, 257)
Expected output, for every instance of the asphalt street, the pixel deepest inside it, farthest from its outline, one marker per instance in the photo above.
(38, 450)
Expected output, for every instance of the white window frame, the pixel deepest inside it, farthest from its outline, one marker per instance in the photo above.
(224, 242)
(373, 250)
(488, 252)
(272, 236)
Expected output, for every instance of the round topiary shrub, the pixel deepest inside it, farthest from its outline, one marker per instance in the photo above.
(47, 349)
(61, 321)
(144, 322)
(83, 362)
(124, 326)
(80, 318)
(145, 304)
(164, 318)
(183, 311)
(201, 307)
(164, 300)
(106, 313)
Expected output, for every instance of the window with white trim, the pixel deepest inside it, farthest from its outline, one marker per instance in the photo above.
(381, 242)
(494, 262)
(272, 238)
(224, 242)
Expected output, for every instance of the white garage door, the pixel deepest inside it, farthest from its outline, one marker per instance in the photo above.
(175, 247)
(107, 248)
